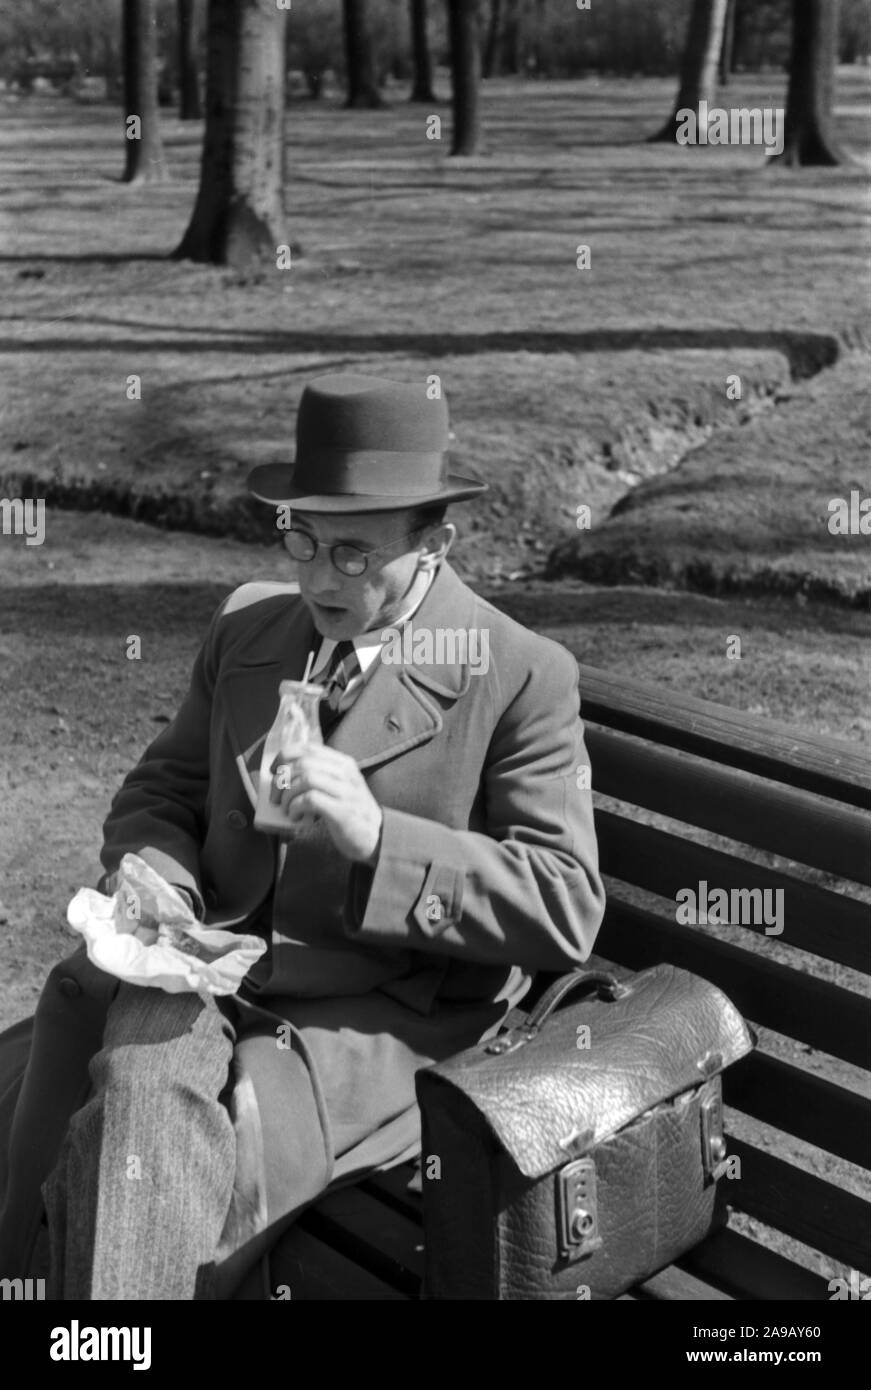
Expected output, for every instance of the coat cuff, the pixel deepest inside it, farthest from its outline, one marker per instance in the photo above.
(413, 893)
(174, 873)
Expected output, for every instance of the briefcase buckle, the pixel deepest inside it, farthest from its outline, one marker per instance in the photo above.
(577, 1211)
(713, 1139)
(510, 1041)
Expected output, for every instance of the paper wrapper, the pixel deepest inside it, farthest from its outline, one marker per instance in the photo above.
(146, 934)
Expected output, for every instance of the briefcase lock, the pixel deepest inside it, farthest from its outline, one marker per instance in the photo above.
(577, 1213)
(713, 1138)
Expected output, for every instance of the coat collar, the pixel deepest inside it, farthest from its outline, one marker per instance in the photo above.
(394, 712)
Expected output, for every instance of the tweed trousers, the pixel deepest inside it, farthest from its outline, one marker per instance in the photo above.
(143, 1202)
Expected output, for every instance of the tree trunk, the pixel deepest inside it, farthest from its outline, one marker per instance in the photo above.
(422, 89)
(808, 135)
(510, 63)
(362, 86)
(727, 48)
(144, 162)
(465, 75)
(698, 71)
(238, 218)
(491, 45)
(190, 108)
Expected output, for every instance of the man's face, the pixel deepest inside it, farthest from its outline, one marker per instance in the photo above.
(344, 606)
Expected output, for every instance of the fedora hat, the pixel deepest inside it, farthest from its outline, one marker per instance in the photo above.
(364, 444)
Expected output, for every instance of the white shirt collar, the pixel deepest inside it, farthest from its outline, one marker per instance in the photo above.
(368, 645)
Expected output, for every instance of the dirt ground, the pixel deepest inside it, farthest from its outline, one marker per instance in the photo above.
(566, 388)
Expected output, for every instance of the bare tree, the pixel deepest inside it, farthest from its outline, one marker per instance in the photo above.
(491, 44)
(190, 107)
(698, 71)
(359, 59)
(511, 38)
(238, 218)
(421, 56)
(145, 161)
(465, 74)
(808, 135)
(727, 48)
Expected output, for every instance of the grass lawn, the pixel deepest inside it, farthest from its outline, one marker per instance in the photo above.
(567, 387)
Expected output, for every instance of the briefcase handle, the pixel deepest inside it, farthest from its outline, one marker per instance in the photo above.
(608, 987)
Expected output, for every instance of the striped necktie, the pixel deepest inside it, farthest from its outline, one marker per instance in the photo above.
(342, 668)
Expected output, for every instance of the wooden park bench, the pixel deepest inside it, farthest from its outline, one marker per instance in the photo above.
(800, 798)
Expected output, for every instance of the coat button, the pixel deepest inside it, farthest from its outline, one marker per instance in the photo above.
(69, 987)
(237, 819)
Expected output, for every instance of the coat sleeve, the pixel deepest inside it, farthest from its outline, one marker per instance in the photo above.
(159, 811)
(527, 892)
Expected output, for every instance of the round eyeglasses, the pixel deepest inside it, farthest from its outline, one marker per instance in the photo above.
(347, 559)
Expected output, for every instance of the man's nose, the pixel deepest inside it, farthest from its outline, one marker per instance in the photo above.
(322, 576)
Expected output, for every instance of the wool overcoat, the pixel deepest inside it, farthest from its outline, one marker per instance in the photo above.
(487, 869)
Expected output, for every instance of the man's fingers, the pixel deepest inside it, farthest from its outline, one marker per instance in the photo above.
(318, 754)
(313, 776)
(310, 803)
(315, 780)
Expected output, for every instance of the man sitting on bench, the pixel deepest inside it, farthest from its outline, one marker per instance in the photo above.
(440, 850)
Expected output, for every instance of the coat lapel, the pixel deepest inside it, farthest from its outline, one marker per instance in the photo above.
(394, 712)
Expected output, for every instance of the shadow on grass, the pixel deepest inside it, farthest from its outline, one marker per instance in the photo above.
(181, 607)
(806, 353)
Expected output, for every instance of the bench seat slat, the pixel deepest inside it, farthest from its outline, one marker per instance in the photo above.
(312, 1269)
(372, 1234)
(392, 1188)
(825, 1016)
(810, 1107)
(814, 1211)
(827, 766)
(674, 1283)
(783, 820)
(814, 919)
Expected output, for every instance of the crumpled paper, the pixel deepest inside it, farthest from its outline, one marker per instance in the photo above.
(146, 934)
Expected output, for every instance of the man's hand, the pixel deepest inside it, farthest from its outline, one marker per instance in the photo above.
(325, 784)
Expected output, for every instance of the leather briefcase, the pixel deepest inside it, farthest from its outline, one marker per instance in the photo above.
(579, 1151)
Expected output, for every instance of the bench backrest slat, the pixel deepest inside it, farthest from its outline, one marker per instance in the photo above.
(826, 1016)
(750, 1271)
(810, 1107)
(783, 820)
(827, 766)
(826, 923)
(812, 1210)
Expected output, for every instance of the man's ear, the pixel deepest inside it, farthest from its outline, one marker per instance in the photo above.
(436, 545)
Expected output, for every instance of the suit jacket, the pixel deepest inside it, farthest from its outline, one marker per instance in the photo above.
(487, 869)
